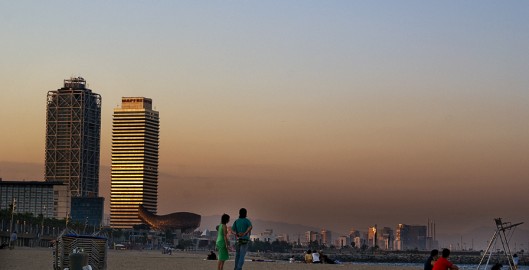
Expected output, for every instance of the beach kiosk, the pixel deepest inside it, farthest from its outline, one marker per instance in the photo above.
(71, 250)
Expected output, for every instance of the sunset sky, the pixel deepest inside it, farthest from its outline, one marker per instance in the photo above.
(333, 114)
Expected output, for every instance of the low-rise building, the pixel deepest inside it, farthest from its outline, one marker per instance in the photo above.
(49, 199)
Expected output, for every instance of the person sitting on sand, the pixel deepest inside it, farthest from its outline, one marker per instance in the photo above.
(212, 256)
(315, 257)
(325, 259)
(496, 266)
(434, 254)
(222, 241)
(308, 256)
(443, 263)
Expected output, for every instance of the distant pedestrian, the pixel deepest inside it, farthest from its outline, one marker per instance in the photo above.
(242, 227)
(434, 254)
(292, 259)
(443, 263)
(13, 240)
(515, 261)
(222, 242)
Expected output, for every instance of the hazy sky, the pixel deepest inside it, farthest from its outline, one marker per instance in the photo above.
(333, 114)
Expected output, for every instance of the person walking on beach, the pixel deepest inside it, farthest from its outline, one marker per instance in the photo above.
(242, 227)
(443, 263)
(434, 254)
(515, 261)
(222, 241)
(13, 240)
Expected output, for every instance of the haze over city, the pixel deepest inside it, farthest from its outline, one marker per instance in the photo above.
(332, 114)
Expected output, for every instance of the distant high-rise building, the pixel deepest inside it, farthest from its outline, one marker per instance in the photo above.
(326, 237)
(73, 131)
(135, 138)
(372, 236)
(312, 236)
(431, 240)
(342, 241)
(411, 237)
(385, 238)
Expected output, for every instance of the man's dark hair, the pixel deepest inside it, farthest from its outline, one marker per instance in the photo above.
(225, 219)
(242, 213)
(434, 252)
(446, 253)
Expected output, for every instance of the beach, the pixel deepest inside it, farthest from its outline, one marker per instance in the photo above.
(23, 258)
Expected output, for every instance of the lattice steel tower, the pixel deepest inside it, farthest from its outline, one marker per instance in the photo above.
(135, 139)
(73, 132)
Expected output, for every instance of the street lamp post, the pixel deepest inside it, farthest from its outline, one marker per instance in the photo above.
(13, 207)
(42, 224)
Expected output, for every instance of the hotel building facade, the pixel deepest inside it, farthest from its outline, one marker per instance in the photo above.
(49, 199)
(73, 132)
(135, 142)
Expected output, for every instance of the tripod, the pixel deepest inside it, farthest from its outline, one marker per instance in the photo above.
(501, 227)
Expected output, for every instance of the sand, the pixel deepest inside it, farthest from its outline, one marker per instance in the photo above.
(41, 258)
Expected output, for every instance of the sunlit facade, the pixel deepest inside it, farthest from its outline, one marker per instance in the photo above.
(326, 237)
(372, 236)
(135, 138)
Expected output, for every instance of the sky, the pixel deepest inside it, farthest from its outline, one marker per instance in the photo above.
(334, 114)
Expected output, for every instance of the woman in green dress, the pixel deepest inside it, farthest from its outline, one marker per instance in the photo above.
(223, 241)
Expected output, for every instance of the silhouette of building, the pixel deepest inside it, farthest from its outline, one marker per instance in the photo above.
(73, 131)
(326, 237)
(385, 238)
(135, 138)
(312, 236)
(431, 240)
(49, 199)
(342, 241)
(88, 210)
(411, 237)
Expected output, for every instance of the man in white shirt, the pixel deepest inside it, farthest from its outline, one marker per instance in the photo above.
(316, 257)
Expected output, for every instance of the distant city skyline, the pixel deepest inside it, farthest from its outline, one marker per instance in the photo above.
(332, 114)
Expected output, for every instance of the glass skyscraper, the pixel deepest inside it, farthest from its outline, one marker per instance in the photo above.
(135, 139)
(73, 131)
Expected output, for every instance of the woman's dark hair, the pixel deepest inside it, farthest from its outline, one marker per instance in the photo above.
(242, 213)
(225, 219)
(434, 252)
(309, 251)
